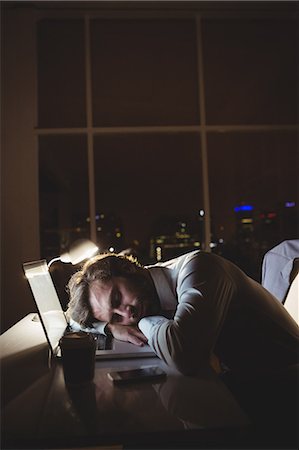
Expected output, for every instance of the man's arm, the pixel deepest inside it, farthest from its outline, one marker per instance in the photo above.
(204, 293)
(123, 333)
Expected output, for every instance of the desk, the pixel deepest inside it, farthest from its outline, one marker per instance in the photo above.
(40, 412)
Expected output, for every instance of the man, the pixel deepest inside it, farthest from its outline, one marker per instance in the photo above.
(188, 309)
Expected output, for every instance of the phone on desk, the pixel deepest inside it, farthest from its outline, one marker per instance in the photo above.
(150, 373)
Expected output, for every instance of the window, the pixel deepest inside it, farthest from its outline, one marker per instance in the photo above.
(253, 200)
(250, 71)
(148, 182)
(142, 70)
(64, 212)
(61, 74)
(128, 108)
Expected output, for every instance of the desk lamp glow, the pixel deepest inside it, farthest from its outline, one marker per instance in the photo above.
(79, 251)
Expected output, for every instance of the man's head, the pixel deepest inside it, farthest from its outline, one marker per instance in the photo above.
(110, 288)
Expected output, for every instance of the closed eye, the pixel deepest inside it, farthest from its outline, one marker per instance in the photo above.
(116, 318)
(115, 298)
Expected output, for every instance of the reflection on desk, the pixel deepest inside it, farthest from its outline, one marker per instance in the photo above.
(200, 403)
(102, 412)
(185, 410)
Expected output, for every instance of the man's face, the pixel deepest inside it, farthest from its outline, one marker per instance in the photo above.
(116, 301)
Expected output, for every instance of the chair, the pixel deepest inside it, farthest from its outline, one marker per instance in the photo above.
(279, 268)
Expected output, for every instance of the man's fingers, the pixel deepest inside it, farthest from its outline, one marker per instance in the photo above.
(135, 340)
(128, 333)
(136, 337)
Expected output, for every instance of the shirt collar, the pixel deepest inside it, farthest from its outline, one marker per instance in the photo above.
(165, 287)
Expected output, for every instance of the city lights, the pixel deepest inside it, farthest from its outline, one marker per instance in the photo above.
(243, 208)
(176, 235)
(158, 253)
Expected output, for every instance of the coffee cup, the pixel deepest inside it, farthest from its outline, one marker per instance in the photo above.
(78, 357)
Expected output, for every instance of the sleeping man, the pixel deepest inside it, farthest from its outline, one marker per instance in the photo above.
(196, 310)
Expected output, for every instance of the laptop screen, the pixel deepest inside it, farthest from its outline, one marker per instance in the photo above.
(51, 313)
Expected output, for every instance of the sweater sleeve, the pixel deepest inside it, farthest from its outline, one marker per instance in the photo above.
(186, 342)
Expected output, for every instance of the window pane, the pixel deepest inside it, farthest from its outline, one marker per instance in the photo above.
(144, 72)
(148, 186)
(63, 192)
(61, 73)
(251, 71)
(257, 170)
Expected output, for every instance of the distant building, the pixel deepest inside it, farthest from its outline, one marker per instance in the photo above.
(180, 236)
(110, 234)
(245, 221)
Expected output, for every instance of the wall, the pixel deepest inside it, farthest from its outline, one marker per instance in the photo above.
(19, 206)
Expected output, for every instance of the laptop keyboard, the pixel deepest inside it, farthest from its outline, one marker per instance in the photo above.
(104, 342)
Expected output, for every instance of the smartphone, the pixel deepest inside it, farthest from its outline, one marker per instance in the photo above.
(151, 373)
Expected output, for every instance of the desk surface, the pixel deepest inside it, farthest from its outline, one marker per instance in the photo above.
(179, 409)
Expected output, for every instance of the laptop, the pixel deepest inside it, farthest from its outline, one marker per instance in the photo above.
(55, 323)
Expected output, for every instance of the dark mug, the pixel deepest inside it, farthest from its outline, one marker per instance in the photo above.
(78, 357)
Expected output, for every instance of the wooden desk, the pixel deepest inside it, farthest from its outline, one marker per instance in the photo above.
(40, 411)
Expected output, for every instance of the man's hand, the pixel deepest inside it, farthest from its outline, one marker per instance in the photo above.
(128, 333)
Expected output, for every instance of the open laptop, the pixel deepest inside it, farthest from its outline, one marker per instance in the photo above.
(54, 321)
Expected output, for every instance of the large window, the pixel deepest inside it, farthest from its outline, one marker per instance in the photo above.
(164, 135)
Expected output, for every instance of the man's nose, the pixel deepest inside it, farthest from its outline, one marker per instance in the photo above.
(125, 311)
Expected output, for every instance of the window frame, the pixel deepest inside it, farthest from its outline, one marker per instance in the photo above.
(202, 127)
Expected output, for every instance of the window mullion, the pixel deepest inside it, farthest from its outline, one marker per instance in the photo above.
(90, 149)
(203, 137)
